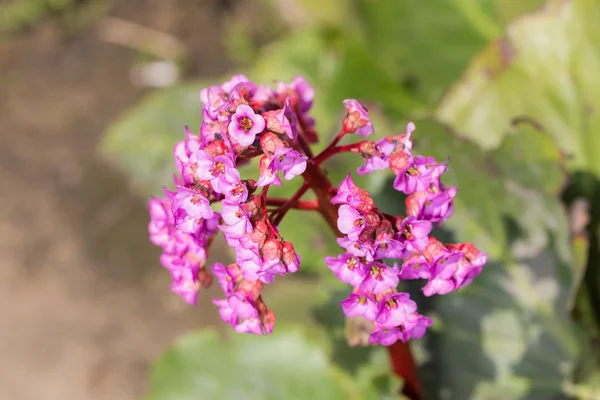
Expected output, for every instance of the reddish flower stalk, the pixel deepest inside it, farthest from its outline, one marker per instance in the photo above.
(242, 121)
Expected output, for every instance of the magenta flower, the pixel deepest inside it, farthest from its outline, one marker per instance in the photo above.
(347, 269)
(213, 98)
(160, 226)
(350, 194)
(233, 82)
(250, 325)
(231, 186)
(282, 121)
(470, 264)
(380, 278)
(415, 266)
(268, 175)
(191, 202)
(211, 168)
(414, 326)
(357, 249)
(418, 176)
(393, 310)
(442, 275)
(236, 218)
(386, 336)
(290, 162)
(388, 247)
(379, 158)
(357, 119)
(242, 306)
(360, 305)
(227, 276)
(414, 233)
(187, 286)
(245, 125)
(226, 313)
(291, 259)
(350, 221)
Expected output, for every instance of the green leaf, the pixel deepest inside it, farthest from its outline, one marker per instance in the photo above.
(427, 43)
(545, 68)
(140, 142)
(507, 335)
(285, 365)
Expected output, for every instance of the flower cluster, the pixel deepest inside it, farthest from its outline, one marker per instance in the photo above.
(243, 121)
(370, 236)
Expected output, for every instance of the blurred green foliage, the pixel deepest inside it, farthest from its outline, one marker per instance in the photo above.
(513, 100)
(20, 14)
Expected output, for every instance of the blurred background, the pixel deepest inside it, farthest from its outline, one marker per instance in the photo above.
(95, 93)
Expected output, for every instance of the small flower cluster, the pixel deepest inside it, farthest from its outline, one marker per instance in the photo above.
(371, 236)
(241, 120)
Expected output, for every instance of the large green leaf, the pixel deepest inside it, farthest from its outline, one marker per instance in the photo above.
(428, 43)
(544, 68)
(286, 365)
(506, 336)
(141, 141)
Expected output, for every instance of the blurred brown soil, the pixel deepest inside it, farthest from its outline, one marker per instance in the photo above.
(84, 303)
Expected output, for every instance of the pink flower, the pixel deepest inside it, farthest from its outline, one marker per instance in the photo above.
(357, 119)
(418, 176)
(250, 325)
(192, 202)
(360, 305)
(290, 162)
(291, 259)
(386, 336)
(226, 276)
(350, 194)
(226, 313)
(235, 217)
(230, 185)
(380, 278)
(347, 269)
(415, 266)
(242, 306)
(414, 233)
(282, 121)
(442, 276)
(245, 125)
(414, 326)
(393, 310)
(350, 221)
(187, 286)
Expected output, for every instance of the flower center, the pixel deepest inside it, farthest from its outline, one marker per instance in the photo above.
(195, 200)
(391, 303)
(359, 222)
(376, 272)
(218, 168)
(245, 123)
(351, 263)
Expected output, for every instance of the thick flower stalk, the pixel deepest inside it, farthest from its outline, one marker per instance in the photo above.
(242, 121)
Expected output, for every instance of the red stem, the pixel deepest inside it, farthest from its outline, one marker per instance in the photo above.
(404, 366)
(291, 202)
(335, 141)
(331, 151)
(299, 205)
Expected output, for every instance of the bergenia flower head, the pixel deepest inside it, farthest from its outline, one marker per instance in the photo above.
(243, 123)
